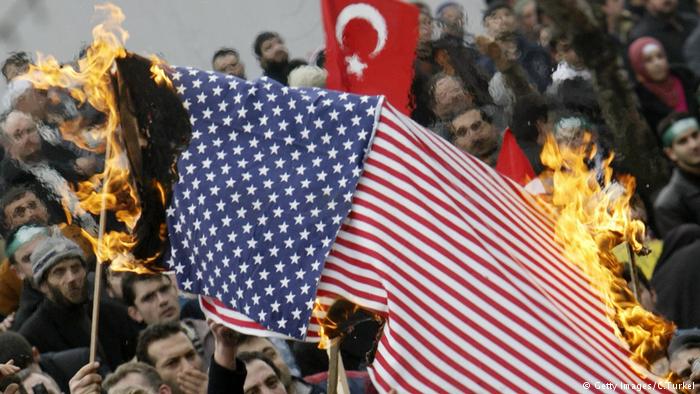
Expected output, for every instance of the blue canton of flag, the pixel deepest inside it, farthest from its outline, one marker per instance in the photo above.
(264, 186)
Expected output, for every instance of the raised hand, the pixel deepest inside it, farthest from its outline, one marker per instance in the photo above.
(225, 344)
(86, 380)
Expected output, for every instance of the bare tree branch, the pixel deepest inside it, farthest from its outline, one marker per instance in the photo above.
(635, 145)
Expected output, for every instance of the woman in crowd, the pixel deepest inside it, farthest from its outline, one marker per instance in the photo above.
(662, 88)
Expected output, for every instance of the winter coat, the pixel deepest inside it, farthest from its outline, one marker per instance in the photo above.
(678, 202)
(54, 328)
(654, 110)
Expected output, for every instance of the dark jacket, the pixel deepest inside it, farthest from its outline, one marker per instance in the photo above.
(54, 328)
(654, 110)
(676, 278)
(225, 381)
(678, 202)
(63, 365)
(691, 50)
(29, 301)
(672, 33)
(278, 71)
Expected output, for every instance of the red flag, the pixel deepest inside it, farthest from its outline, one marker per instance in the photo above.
(512, 161)
(370, 47)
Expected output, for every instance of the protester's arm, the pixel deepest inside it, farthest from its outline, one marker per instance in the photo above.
(514, 74)
(86, 380)
(226, 373)
(667, 219)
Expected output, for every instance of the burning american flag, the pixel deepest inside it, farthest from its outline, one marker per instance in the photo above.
(459, 261)
(290, 199)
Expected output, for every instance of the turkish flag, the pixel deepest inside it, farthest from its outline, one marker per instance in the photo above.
(512, 161)
(370, 47)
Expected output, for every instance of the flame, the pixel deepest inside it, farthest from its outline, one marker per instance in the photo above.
(325, 324)
(157, 72)
(113, 189)
(92, 81)
(593, 216)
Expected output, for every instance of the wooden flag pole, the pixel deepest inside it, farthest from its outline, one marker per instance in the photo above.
(333, 351)
(633, 271)
(337, 378)
(96, 296)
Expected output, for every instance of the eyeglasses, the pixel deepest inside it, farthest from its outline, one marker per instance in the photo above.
(473, 128)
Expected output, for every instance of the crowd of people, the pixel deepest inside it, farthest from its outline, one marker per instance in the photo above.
(521, 74)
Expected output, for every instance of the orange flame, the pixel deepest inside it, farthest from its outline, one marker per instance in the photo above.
(112, 190)
(592, 219)
(157, 72)
(320, 313)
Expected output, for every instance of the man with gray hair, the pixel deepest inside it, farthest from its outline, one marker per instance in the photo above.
(452, 18)
(25, 149)
(62, 321)
(20, 137)
(135, 374)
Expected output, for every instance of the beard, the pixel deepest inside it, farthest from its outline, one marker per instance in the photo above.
(79, 297)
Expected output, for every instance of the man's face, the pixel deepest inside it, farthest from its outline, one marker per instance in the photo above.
(452, 18)
(229, 64)
(266, 347)
(27, 208)
(566, 53)
(662, 7)
(681, 360)
(66, 282)
(114, 282)
(22, 138)
(529, 19)
(425, 27)
(450, 98)
(132, 379)
(261, 379)
(500, 21)
(23, 266)
(155, 301)
(174, 356)
(685, 151)
(474, 135)
(273, 51)
(510, 49)
(613, 8)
